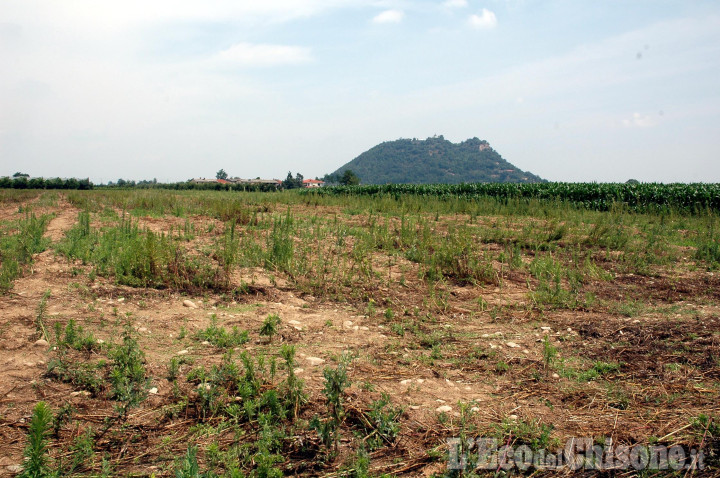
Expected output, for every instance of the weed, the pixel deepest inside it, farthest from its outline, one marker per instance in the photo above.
(381, 423)
(83, 375)
(502, 367)
(549, 353)
(270, 326)
(63, 415)
(335, 382)
(37, 464)
(17, 250)
(294, 394)
(187, 466)
(82, 451)
(527, 432)
(221, 337)
(74, 336)
(127, 374)
(40, 317)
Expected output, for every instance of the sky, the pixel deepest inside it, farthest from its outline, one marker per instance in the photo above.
(574, 90)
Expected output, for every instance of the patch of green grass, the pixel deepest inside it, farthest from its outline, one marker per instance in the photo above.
(597, 370)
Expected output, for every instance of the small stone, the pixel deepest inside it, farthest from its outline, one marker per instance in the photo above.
(121, 299)
(546, 329)
(569, 329)
(414, 407)
(14, 468)
(206, 386)
(182, 352)
(142, 330)
(513, 417)
(315, 361)
(485, 336)
(41, 343)
(365, 329)
(555, 376)
(443, 409)
(526, 351)
(298, 371)
(84, 393)
(420, 380)
(204, 342)
(347, 323)
(440, 400)
(190, 304)
(405, 382)
(475, 409)
(29, 364)
(512, 345)
(636, 321)
(153, 391)
(100, 341)
(294, 322)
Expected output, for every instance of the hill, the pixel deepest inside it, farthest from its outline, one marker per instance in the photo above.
(433, 161)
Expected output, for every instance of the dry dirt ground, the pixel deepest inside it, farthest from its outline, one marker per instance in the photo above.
(490, 353)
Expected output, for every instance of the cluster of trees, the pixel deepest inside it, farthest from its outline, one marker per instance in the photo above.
(24, 181)
(291, 182)
(347, 178)
(131, 183)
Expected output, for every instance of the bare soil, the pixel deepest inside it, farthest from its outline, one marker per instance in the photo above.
(668, 355)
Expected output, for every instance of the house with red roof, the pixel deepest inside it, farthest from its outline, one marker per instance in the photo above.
(313, 183)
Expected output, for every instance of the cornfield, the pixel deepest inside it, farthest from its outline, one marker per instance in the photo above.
(642, 197)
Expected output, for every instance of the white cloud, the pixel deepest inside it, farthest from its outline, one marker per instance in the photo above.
(640, 121)
(389, 16)
(485, 20)
(455, 3)
(250, 55)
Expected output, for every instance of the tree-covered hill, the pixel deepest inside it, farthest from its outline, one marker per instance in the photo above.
(432, 161)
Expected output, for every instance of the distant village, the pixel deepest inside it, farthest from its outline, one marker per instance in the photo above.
(306, 183)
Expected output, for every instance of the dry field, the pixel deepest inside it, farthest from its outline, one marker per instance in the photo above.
(213, 333)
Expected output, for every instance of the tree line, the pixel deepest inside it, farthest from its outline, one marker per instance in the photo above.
(24, 181)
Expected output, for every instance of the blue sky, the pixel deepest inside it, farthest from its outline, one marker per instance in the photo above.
(173, 89)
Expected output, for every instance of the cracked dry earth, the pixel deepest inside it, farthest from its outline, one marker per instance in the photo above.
(476, 336)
